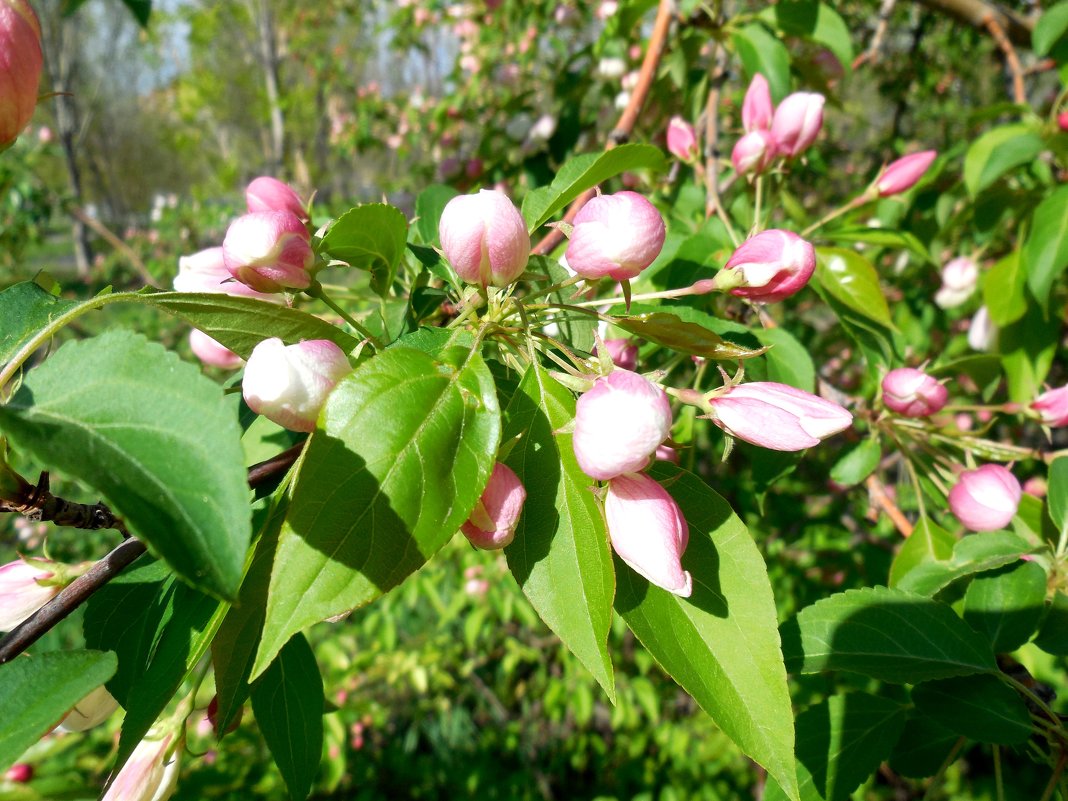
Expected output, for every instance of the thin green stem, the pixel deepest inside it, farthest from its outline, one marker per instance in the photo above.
(316, 291)
(998, 782)
(949, 760)
(554, 288)
(1056, 777)
(855, 203)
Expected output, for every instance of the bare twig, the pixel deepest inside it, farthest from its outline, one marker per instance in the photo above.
(871, 55)
(104, 233)
(882, 499)
(976, 12)
(1012, 63)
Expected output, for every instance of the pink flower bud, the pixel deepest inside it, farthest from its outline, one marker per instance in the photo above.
(21, 591)
(985, 499)
(648, 531)
(484, 238)
(797, 122)
(21, 61)
(897, 176)
(618, 425)
(757, 110)
(753, 152)
(1062, 120)
(777, 416)
(493, 520)
(150, 774)
(19, 773)
(774, 265)
(960, 276)
(205, 271)
(91, 711)
(1052, 407)
(665, 453)
(212, 352)
(615, 235)
(289, 385)
(913, 393)
(681, 139)
(270, 194)
(269, 251)
(622, 352)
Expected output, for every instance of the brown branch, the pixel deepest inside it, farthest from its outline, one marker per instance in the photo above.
(882, 499)
(40, 505)
(621, 133)
(1012, 63)
(78, 591)
(104, 233)
(976, 12)
(871, 55)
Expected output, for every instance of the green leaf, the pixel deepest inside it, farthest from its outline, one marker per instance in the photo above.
(585, 172)
(886, 634)
(923, 747)
(929, 542)
(980, 708)
(36, 691)
(852, 280)
(671, 331)
(406, 446)
(1045, 251)
(858, 464)
(817, 22)
(884, 237)
(1027, 349)
(974, 553)
(370, 237)
(721, 644)
(1003, 290)
(1057, 493)
(996, 152)
(288, 702)
(788, 361)
(154, 436)
(428, 207)
(25, 309)
(560, 555)
(761, 52)
(1007, 604)
(242, 323)
(1050, 27)
(1053, 636)
(840, 742)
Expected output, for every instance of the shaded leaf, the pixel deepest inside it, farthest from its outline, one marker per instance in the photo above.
(858, 464)
(929, 542)
(1006, 605)
(1053, 636)
(923, 747)
(980, 708)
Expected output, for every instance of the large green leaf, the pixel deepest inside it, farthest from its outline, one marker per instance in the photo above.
(371, 237)
(428, 207)
(721, 644)
(288, 702)
(858, 463)
(585, 172)
(406, 445)
(25, 309)
(1051, 27)
(1045, 251)
(929, 542)
(840, 742)
(998, 151)
(887, 634)
(972, 554)
(815, 21)
(1003, 290)
(980, 708)
(922, 748)
(1007, 604)
(852, 280)
(560, 554)
(787, 360)
(1027, 348)
(153, 435)
(36, 691)
(761, 52)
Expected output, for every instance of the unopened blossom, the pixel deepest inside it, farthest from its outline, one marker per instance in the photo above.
(770, 266)
(797, 122)
(494, 519)
(205, 271)
(618, 425)
(913, 393)
(960, 277)
(270, 194)
(212, 352)
(985, 499)
(753, 152)
(901, 175)
(622, 352)
(681, 139)
(150, 773)
(91, 711)
(289, 384)
(777, 416)
(616, 236)
(19, 773)
(269, 251)
(1052, 407)
(21, 62)
(484, 238)
(757, 108)
(648, 531)
(24, 589)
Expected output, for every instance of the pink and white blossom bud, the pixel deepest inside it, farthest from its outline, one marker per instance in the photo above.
(1052, 407)
(616, 236)
(648, 531)
(982, 333)
(21, 590)
(205, 271)
(21, 61)
(269, 251)
(289, 384)
(773, 265)
(960, 276)
(681, 139)
(493, 520)
(618, 425)
(777, 416)
(1062, 120)
(985, 499)
(270, 194)
(212, 352)
(753, 152)
(665, 453)
(757, 109)
(484, 238)
(19, 773)
(797, 122)
(622, 352)
(150, 774)
(913, 393)
(903, 174)
(91, 711)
